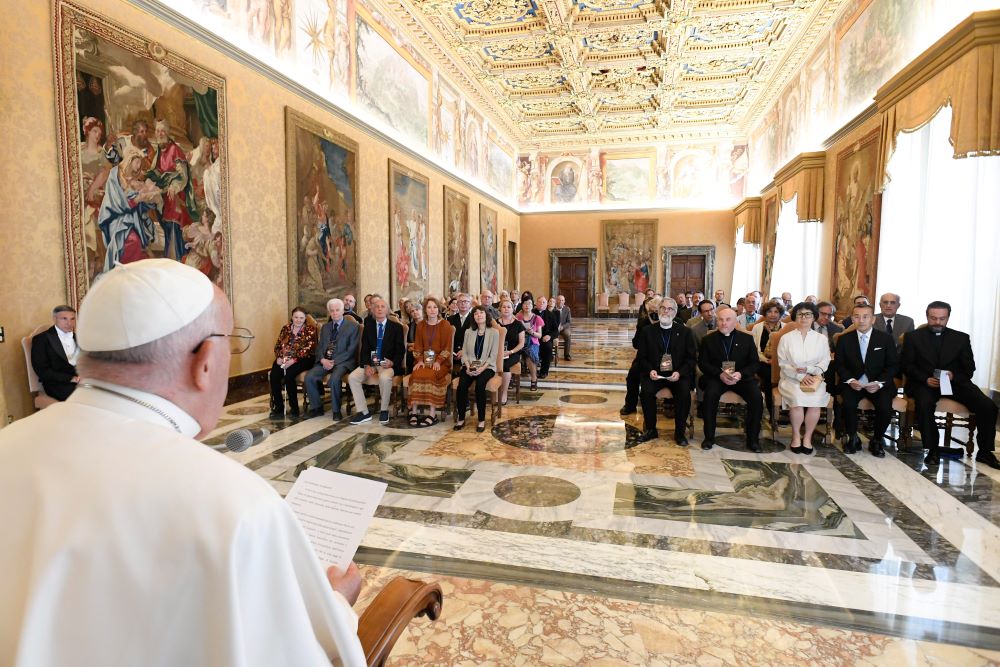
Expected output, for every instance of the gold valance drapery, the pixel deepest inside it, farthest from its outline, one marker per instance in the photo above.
(961, 69)
(803, 176)
(748, 217)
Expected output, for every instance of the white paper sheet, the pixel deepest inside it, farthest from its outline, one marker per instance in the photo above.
(335, 511)
(945, 384)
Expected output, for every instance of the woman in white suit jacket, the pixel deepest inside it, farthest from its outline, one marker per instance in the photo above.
(480, 350)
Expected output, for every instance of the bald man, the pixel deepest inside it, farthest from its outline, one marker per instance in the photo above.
(890, 321)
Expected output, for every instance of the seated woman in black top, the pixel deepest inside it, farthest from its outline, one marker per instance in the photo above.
(513, 344)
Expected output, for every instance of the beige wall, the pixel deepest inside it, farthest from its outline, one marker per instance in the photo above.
(542, 231)
(32, 273)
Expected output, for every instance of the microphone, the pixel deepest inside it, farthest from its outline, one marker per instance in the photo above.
(243, 439)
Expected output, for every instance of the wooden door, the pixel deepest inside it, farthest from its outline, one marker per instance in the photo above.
(687, 274)
(574, 276)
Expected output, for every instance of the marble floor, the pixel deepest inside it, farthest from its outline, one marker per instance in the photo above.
(561, 540)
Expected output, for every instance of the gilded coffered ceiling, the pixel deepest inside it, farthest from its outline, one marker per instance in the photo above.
(570, 73)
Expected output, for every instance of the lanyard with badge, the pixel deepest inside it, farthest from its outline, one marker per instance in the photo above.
(666, 361)
(727, 344)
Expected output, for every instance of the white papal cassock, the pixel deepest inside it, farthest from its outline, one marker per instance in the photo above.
(128, 543)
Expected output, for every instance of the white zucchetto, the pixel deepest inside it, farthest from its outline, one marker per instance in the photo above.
(139, 302)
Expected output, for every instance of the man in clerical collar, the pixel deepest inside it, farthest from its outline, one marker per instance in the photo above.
(54, 354)
(108, 499)
(666, 361)
(728, 361)
(937, 361)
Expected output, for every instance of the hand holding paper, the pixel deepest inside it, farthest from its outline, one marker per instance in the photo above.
(945, 380)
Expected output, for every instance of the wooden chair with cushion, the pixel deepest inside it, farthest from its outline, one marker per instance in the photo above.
(38, 396)
(493, 385)
(950, 414)
(602, 305)
(666, 394)
(384, 620)
(624, 303)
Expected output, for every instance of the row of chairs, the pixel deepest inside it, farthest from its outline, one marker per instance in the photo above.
(626, 304)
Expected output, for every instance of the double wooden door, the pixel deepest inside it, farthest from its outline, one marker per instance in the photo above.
(574, 275)
(687, 274)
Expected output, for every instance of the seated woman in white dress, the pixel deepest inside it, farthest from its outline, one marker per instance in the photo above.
(803, 356)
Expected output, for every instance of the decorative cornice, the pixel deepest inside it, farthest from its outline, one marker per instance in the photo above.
(801, 162)
(747, 204)
(852, 125)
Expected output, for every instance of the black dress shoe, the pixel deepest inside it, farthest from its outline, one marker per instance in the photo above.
(989, 458)
(626, 410)
(681, 441)
(877, 449)
(651, 434)
(853, 445)
(755, 447)
(932, 459)
(276, 415)
(795, 450)
(707, 444)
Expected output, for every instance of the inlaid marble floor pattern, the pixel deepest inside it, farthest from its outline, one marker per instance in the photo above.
(561, 540)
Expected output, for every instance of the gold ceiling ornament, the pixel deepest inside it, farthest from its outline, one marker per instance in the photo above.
(561, 74)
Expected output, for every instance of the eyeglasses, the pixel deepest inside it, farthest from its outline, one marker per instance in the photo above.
(239, 340)
(804, 316)
(827, 313)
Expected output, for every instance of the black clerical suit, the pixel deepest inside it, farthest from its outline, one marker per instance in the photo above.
(950, 350)
(48, 358)
(654, 342)
(739, 348)
(550, 328)
(633, 378)
(880, 365)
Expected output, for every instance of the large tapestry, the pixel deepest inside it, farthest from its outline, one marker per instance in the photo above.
(856, 223)
(322, 213)
(627, 248)
(142, 152)
(488, 248)
(456, 241)
(770, 241)
(409, 211)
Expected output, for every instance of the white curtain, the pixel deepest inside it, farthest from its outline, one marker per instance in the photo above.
(796, 255)
(746, 268)
(940, 237)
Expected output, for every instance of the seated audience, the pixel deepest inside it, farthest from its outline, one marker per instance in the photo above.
(633, 379)
(452, 306)
(479, 364)
(512, 345)
(786, 300)
(294, 353)
(803, 357)
(683, 312)
(54, 353)
(383, 353)
(349, 304)
(728, 361)
(486, 300)
(705, 321)
(866, 363)
(415, 316)
(858, 300)
(550, 330)
(533, 325)
(825, 323)
(773, 311)
(890, 321)
(565, 320)
(432, 363)
(741, 306)
(460, 321)
(719, 298)
(928, 354)
(750, 315)
(813, 299)
(336, 355)
(667, 360)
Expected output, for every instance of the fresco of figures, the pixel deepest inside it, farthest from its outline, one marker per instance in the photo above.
(409, 213)
(322, 213)
(856, 222)
(456, 241)
(627, 248)
(488, 248)
(144, 140)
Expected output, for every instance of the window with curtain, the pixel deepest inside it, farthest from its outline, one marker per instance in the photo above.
(746, 268)
(940, 237)
(796, 255)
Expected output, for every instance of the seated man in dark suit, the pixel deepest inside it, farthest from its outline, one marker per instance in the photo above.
(54, 353)
(866, 363)
(634, 377)
(890, 321)
(336, 355)
(461, 321)
(928, 354)
(824, 323)
(383, 350)
(859, 300)
(728, 361)
(666, 360)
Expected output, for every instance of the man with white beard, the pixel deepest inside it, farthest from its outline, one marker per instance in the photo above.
(666, 360)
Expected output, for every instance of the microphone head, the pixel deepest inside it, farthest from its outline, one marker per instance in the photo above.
(239, 440)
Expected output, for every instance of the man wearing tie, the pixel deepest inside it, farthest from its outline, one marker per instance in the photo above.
(565, 319)
(54, 353)
(666, 360)
(890, 321)
(929, 354)
(336, 354)
(866, 363)
(461, 321)
(382, 353)
(728, 361)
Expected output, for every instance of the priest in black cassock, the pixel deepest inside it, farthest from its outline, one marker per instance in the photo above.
(666, 360)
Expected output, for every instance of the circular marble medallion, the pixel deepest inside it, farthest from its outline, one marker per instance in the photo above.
(567, 434)
(247, 411)
(537, 491)
(582, 399)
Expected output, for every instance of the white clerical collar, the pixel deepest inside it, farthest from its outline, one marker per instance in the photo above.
(121, 400)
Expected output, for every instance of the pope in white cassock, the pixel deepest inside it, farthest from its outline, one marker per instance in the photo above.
(128, 542)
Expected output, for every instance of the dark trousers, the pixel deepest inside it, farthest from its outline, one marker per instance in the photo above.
(59, 390)
(764, 379)
(712, 389)
(286, 377)
(633, 382)
(564, 334)
(462, 399)
(681, 389)
(545, 355)
(314, 386)
(881, 399)
(968, 395)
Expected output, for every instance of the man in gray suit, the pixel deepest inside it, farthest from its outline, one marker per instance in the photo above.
(890, 321)
(824, 324)
(565, 319)
(336, 355)
(704, 322)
